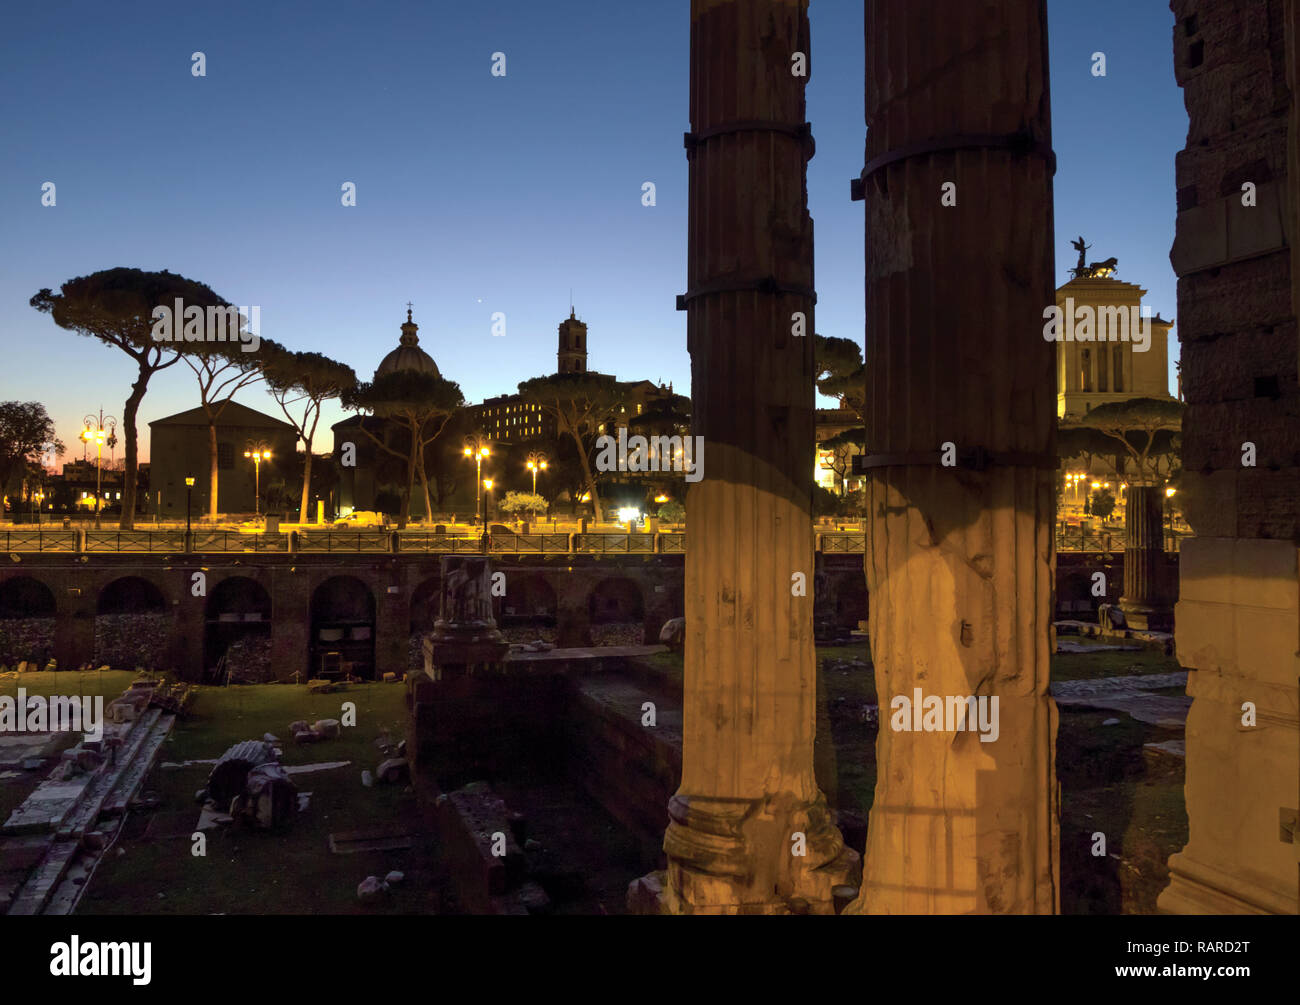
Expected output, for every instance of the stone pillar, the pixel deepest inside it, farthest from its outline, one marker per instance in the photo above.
(572, 616)
(74, 631)
(961, 463)
(392, 623)
(1145, 602)
(749, 831)
(1238, 613)
(291, 624)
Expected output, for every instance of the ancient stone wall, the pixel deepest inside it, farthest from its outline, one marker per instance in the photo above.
(1238, 618)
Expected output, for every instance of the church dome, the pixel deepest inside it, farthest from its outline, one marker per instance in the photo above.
(408, 355)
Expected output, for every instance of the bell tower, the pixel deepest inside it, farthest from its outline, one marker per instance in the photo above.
(571, 356)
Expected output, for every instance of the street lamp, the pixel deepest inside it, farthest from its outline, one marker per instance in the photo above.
(476, 446)
(258, 454)
(189, 489)
(536, 463)
(487, 484)
(97, 429)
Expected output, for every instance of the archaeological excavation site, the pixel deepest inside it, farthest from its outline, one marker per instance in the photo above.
(958, 575)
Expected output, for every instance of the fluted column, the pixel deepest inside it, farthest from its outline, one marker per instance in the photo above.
(960, 499)
(749, 831)
(1145, 602)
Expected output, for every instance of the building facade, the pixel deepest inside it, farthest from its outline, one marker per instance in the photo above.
(1106, 351)
(179, 449)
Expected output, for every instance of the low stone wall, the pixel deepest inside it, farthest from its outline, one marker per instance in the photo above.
(30, 639)
(630, 768)
(127, 641)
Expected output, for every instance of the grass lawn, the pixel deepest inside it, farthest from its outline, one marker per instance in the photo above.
(255, 872)
(1108, 785)
(13, 791)
(1088, 666)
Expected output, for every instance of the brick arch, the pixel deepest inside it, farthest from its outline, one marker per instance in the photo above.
(28, 616)
(425, 599)
(26, 596)
(617, 599)
(133, 594)
(237, 613)
(529, 595)
(132, 623)
(344, 618)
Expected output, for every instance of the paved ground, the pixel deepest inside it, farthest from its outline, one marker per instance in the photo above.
(1130, 695)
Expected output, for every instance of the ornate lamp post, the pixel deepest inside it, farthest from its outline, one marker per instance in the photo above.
(476, 447)
(189, 489)
(258, 453)
(536, 463)
(98, 429)
(487, 484)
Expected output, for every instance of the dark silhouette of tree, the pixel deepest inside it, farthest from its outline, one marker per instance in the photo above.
(222, 368)
(420, 404)
(26, 435)
(578, 403)
(841, 373)
(300, 383)
(842, 446)
(116, 307)
(1144, 429)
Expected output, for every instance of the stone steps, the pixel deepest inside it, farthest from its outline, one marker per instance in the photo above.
(35, 892)
(87, 810)
(106, 791)
(129, 781)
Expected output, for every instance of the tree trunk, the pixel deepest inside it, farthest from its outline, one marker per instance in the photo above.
(587, 475)
(424, 484)
(131, 452)
(404, 517)
(306, 482)
(212, 470)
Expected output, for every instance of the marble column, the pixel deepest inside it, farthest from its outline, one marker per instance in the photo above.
(960, 436)
(749, 831)
(1145, 602)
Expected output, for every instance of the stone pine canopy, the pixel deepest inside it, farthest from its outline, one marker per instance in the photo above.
(408, 355)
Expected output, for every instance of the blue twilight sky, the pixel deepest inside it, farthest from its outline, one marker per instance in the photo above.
(475, 194)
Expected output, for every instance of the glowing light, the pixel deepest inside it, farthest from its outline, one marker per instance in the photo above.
(627, 514)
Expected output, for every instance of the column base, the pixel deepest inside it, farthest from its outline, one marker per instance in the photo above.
(741, 857)
(1196, 888)
(1147, 617)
